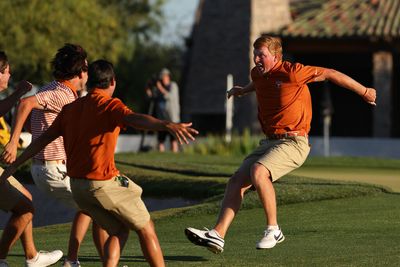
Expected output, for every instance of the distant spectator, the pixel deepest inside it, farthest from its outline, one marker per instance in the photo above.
(165, 95)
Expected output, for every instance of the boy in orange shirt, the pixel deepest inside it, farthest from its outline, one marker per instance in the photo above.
(284, 112)
(90, 127)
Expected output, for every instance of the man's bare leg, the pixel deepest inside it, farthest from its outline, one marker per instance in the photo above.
(114, 246)
(100, 237)
(27, 242)
(261, 179)
(174, 146)
(238, 184)
(161, 147)
(79, 228)
(27, 235)
(150, 246)
(21, 217)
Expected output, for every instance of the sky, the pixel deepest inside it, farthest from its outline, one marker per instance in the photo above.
(179, 17)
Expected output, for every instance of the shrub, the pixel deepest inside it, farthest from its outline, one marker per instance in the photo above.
(217, 145)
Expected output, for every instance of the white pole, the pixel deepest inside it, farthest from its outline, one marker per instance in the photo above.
(327, 125)
(229, 110)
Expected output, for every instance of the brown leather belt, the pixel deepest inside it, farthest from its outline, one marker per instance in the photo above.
(48, 162)
(288, 135)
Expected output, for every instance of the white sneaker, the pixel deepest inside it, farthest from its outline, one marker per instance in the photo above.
(3, 263)
(206, 238)
(271, 238)
(68, 263)
(44, 259)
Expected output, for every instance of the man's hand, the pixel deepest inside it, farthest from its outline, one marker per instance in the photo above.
(235, 91)
(24, 86)
(9, 153)
(182, 131)
(370, 96)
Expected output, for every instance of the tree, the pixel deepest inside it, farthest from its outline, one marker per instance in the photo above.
(33, 30)
(117, 30)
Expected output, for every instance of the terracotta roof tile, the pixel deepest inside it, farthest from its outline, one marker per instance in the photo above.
(344, 18)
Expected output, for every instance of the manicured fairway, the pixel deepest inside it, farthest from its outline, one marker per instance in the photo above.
(389, 179)
(359, 231)
(347, 232)
(380, 172)
(326, 223)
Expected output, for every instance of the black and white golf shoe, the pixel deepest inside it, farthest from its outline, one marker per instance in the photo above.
(206, 238)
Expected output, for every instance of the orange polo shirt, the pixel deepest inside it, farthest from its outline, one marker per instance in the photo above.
(284, 101)
(90, 127)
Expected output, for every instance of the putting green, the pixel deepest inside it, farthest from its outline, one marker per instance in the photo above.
(388, 178)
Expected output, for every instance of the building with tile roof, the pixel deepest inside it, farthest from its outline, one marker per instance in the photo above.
(357, 37)
(362, 39)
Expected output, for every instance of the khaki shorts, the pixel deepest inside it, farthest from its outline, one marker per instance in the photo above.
(10, 193)
(111, 204)
(279, 156)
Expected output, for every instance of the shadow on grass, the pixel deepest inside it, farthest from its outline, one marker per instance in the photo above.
(183, 172)
(93, 258)
(166, 258)
(88, 259)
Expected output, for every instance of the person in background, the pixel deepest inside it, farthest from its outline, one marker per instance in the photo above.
(15, 198)
(165, 94)
(90, 127)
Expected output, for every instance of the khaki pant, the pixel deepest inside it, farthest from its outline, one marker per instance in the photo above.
(111, 203)
(279, 156)
(52, 179)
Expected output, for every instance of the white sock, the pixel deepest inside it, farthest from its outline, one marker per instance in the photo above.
(34, 258)
(273, 227)
(215, 231)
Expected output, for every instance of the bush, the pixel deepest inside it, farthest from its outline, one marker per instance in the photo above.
(217, 145)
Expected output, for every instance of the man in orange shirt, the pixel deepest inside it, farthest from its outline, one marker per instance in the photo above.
(284, 112)
(90, 127)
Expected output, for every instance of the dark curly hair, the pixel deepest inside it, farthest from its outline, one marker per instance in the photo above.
(69, 62)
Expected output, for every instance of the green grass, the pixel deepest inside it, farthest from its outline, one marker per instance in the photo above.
(326, 222)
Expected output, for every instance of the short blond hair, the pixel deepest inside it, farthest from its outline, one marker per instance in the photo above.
(274, 45)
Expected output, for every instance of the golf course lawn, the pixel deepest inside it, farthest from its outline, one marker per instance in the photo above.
(325, 222)
(389, 178)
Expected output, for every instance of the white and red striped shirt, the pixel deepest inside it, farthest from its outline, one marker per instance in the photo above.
(52, 97)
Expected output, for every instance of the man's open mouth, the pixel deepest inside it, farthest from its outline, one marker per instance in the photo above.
(260, 67)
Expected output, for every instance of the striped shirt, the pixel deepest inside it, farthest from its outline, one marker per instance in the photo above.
(52, 97)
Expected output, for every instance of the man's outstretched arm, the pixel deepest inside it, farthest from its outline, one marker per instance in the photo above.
(240, 91)
(341, 79)
(181, 131)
